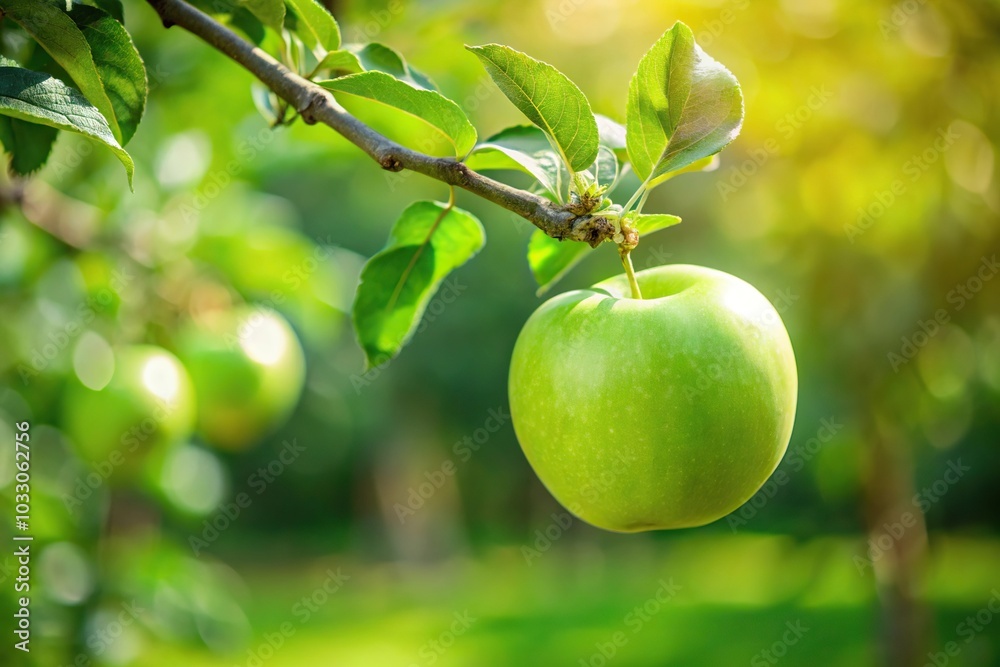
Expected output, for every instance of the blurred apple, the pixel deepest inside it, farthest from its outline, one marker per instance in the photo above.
(248, 370)
(140, 404)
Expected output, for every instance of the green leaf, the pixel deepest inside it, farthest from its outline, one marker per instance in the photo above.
(611, 133)
(269, 12)
(58, 34)
(29, 144)
(683, 106)
(429, 106)
(236, 15)
(266, 102)
(342, 61)
(548, 98)
(113, 7)
(317, 28)
(710, 163)
(521, 148)
(605, 168)
(428, 242)
(551, 259)
(39, 98)
(647, 224)
(377, 57)
(118, 63)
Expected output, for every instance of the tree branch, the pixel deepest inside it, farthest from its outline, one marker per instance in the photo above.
(317, 105)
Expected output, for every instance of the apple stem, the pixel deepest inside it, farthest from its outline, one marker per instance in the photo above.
(626, 255)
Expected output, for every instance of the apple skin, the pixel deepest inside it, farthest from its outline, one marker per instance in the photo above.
(145, 408)
(665, 412)
(248, 370)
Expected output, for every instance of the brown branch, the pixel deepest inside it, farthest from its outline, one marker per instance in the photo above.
(69, 220)
(317, 105)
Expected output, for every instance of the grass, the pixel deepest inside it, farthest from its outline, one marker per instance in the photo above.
(736, 598)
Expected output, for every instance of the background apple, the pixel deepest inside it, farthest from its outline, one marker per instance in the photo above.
(664, 412)
(144, 405)
(248, 370)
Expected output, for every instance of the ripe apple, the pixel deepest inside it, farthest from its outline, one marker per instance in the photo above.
(663, 412)
(146, 406)
(248, 370)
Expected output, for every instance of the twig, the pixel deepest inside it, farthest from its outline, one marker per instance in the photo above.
(317, 105)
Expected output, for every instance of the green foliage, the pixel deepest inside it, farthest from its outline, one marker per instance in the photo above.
(377, 57)
(29, 144)
(548, 98)
(315, 26)
(429, 241)
(112, 7)
(340, 61)
(818, 165)
(683, 106)
(39, 98)
(122, 73)
(522, 148)
(612, 134)
(56, 32)
(550, 259)
(238, 16)
(430, 106)
(92, 47)
(649, 223)
(269, 12)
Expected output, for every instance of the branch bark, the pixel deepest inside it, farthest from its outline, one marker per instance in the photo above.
(317, 105)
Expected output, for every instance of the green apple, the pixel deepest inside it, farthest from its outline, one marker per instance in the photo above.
(142, 406)
(248, 370)
(663, 412)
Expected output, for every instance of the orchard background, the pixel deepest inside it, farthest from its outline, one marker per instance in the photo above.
(392, 519)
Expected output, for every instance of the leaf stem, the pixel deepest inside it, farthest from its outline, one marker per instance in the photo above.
(625, 254)
(641, 192)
